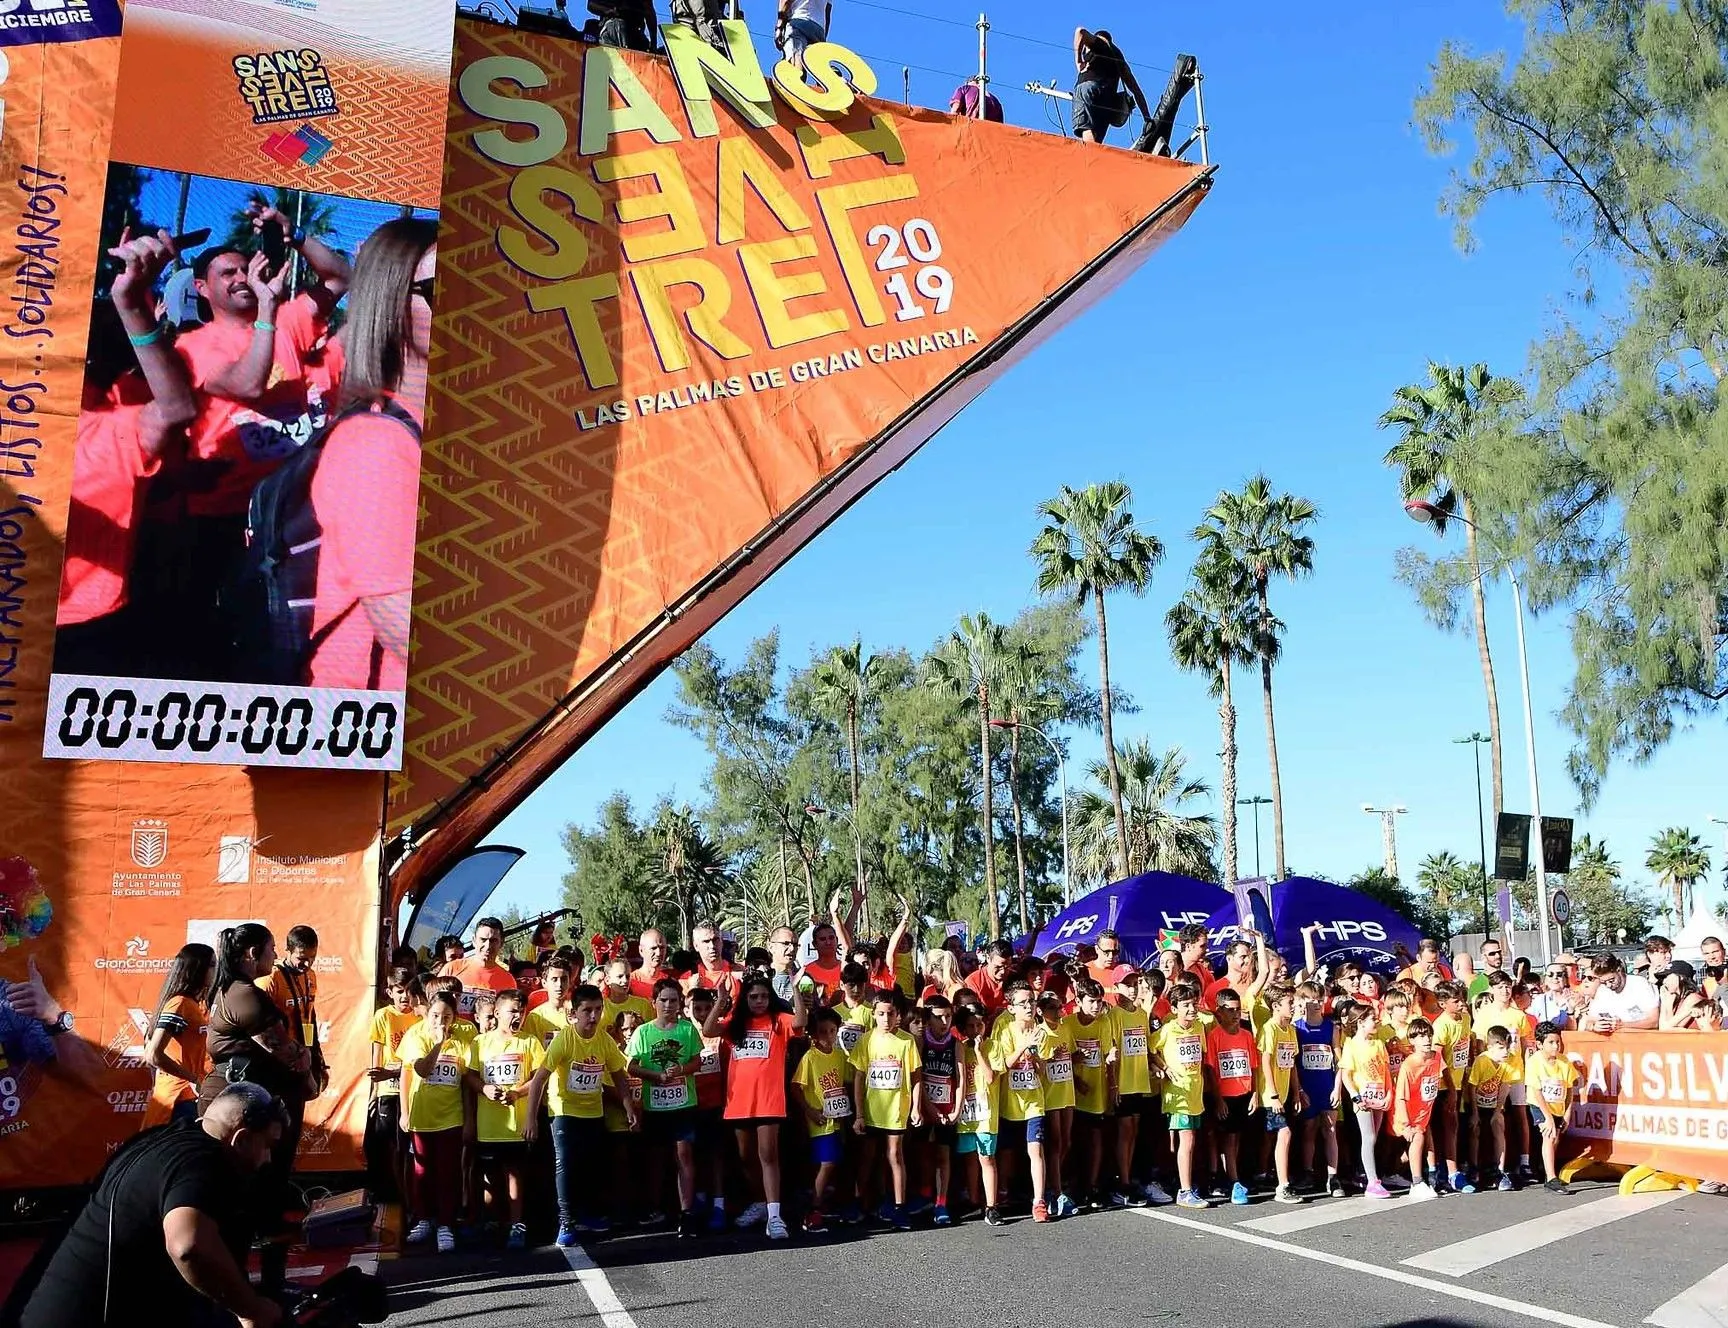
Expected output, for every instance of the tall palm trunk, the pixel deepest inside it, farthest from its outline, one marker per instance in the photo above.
(852, 744)
(989, 812)
(1227, 776)
(1019, 836)
(1271, 743)
(1105, 707)
(1479, 604)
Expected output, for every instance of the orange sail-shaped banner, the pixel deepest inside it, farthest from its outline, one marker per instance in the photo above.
(690, 309)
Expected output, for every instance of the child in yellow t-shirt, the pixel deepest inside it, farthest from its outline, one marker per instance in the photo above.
(1180, 1047)
(1018, 1047)
(1452, 1119)
(1488, 1089)
(1365, 1075)
(501, 1076)
(1553, 1079)
(1276, 1081)
(824, 1090)
(979, 1116)
(438, 1116)
(585, 1070)
(1057, 1053)
(1503, 1012)
(385, 1140)
(886, 1078)
(1093, 1033)
(1133, 1083)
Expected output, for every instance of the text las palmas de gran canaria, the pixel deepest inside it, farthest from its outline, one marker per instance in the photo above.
(551, 200)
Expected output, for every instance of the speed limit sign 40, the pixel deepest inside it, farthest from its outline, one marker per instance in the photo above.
(1561, 908)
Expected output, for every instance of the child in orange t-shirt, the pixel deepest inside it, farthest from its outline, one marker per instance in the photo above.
(1418, 1088)
(1230, 1057)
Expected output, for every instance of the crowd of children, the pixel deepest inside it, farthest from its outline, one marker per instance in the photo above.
(1057, 1085)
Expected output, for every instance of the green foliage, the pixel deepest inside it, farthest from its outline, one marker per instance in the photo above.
(608, 882)
(1616, 487)
(1679, 860)
(1388, 891)
(1164, 834)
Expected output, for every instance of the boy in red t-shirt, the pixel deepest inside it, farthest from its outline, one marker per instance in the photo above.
(1229, 1069)
(1413, 1112)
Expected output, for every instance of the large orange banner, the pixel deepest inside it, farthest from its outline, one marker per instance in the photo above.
(107, 869)
(695, 309)
(1653, 1099)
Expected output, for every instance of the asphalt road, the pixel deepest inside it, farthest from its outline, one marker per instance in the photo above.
(1498, 1260)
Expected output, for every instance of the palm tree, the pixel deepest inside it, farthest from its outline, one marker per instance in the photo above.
(1162, 836)
(1262, 532)
(758, 901)
(1438, 425)
(688, 869)
(841, 683)
(1088, 548)
(970, 667)
(1680, 861)
(1444, 877)
(1212, 630)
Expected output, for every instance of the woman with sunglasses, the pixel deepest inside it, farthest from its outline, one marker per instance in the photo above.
(365, 492)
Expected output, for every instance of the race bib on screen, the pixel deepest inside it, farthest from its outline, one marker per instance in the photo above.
(1060, 1072)
(668, 1097)
(1189, 1051)
(583, 1080)
(1233, 1064)
(753, 1048)
(1316, 1056)
(1134, 1042)
(885, 1076)
(939, 1089)
(1375, 1096)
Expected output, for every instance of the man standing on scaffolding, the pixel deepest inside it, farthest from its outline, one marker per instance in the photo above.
(626, 23)
(1100, 101)
(801, 24)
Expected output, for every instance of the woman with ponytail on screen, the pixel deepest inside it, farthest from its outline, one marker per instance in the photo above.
(365, 490)
(174, 1047)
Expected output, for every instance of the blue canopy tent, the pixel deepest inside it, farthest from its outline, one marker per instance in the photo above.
(1138, 908)
(1354, 928)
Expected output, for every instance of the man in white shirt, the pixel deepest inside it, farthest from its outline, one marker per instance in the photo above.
(801, 24)
(1622, 999)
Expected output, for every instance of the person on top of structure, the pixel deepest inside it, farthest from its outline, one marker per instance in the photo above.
(965, 102)
(801, 24)
(1103, 89)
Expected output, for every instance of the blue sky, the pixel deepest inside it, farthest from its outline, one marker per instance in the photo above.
(1268, 335)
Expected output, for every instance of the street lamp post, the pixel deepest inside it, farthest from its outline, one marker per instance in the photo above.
(1429, 514)
(1062, 777)
(1256, 802)
(1388, 833)
(1476, 741)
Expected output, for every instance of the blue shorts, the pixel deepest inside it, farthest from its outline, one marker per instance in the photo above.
(976, 1141)
(801, 33)
(827, 1148)
(1276, 1121)
(1019, 1133)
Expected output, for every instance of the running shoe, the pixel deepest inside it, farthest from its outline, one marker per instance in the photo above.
(1335, 1188)
(1525, 1176)
(885, 1213)
(1397, 1184)
(1157, 1195)
(1119, 1198)
(1504, 1183)
(656, 1218)
(813, 1222)
(753, 1216)
(1459, 1180)
(942, 1219)
(776, 1228)
(1712, 1187)
(850, 1216)
(1136, 1197)
(518, 1237)
(1218, 1193)
(689, 1225)
(1375, 1190)
(1191, 1199)
(1554, 1185)
(919, 1206)
(1285, 1195)
(1040, 1211)
(446, 1240)
(567, 1237)
(899, 1219)
(1239, 1194)
(1421, 1192)
(717, 1218)
(993, 1218)
(1468, 1187)
(599, 1226)
(421, 1232)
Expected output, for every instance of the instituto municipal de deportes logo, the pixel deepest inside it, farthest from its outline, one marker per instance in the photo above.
(149, 842)
(234, 860)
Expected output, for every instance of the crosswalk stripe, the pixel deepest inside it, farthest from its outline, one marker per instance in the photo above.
(1467, 1256)
(1704, 1304)
(1318, 1215)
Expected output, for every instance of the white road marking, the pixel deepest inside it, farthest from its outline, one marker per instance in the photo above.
(598, 1289)
(1704, 1304)
(1453, 1289)
(366, 1263)
(1467, 1256)
(1292, 1220)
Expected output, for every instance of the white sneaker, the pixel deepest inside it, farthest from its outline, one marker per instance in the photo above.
(1422, 1190)
(754, 1215)
(777, 1229)
(421, 1233)
(1157, 1195)
(1397, 1184)
(446, 1240)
